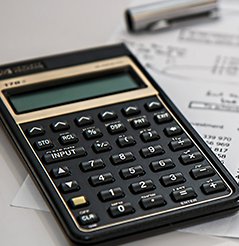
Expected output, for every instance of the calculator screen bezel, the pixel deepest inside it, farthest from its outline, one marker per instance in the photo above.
(62, 74)
(76, 80)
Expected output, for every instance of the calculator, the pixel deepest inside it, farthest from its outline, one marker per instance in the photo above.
(111, 154)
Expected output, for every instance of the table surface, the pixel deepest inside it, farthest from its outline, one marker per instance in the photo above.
(38, 28)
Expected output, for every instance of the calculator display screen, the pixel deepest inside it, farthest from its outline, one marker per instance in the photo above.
(72, 92)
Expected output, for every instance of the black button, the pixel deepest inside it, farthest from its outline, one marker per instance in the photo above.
(99, 147)
(65, 154)
(140, 123)
(191, 157)
(148, 136)
(202, 172)
(121, 209)
(163, 118)
(69, 186)
(92, 133)
(116, 128)
(152, 151)
(132, 172)
(111, 194)
(172, 179)
(142, 186)
(213, 187)
(101, 179)
(152, 106)
(60, 172)
(60, 126)
(152, 202)
(161, 165)
(124, 141)
(122, 158)
(68, 138)
(84, 121)
(107, 115)
(88, 219)
(35, 131)
(173, 131)
(182, 195)
(180, 144)
(92, 165)
(44, 144)
(130, 110)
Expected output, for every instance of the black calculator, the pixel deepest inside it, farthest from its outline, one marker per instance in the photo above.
(111, 154)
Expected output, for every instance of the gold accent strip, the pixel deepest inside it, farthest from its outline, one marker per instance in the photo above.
(77, 71)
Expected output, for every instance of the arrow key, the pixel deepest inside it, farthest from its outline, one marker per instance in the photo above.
(60, 172)
(173, 131)
(69, 186)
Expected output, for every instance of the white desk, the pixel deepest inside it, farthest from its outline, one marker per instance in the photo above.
(37, 28)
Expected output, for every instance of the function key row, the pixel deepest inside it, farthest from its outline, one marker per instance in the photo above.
(103, 116)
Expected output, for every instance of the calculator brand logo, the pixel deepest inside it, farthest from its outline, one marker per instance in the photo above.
(22, 69)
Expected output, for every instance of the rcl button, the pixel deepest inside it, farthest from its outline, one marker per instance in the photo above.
(68, 138)
(88, 219)
(44, 144)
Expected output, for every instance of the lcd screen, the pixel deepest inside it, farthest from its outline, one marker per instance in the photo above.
(72, 92)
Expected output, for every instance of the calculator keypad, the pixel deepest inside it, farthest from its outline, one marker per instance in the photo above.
(123, 161)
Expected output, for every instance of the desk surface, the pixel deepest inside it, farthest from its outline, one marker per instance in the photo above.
(37, 28)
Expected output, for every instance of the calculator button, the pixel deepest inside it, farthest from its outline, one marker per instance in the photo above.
(101, 179)
(88, 219)
(60, 126)
(68, 138)
(149, 136)
(69, 186)
(121, 209)
(162, 118)
(152, 106)
(130, 110)
(180, 144)
(213, 187)
(125, 141)
(92, 165)
(116, 128)
(182, 195)
(191, 158)
(122, 158)
(162, 165)
(140, 123)
(92, 133)
(202, 172)
(35, 131)
(107, 115)
(142, 186)
(152, 202)
(100, 147)
(44, 144)
(132, 172)
(78, 201)
(152, 151)
(173, 131)
(62, 155)
(172, 179)
(60, 172)
(84, 121)
(111, 194)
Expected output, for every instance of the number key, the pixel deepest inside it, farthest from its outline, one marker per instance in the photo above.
(142, 186)
(111, 194)
(92, 165)
(122, 158)
(172, 179)
(101, 179)
(132, 172)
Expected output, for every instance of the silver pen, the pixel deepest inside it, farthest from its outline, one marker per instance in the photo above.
(165, 14)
